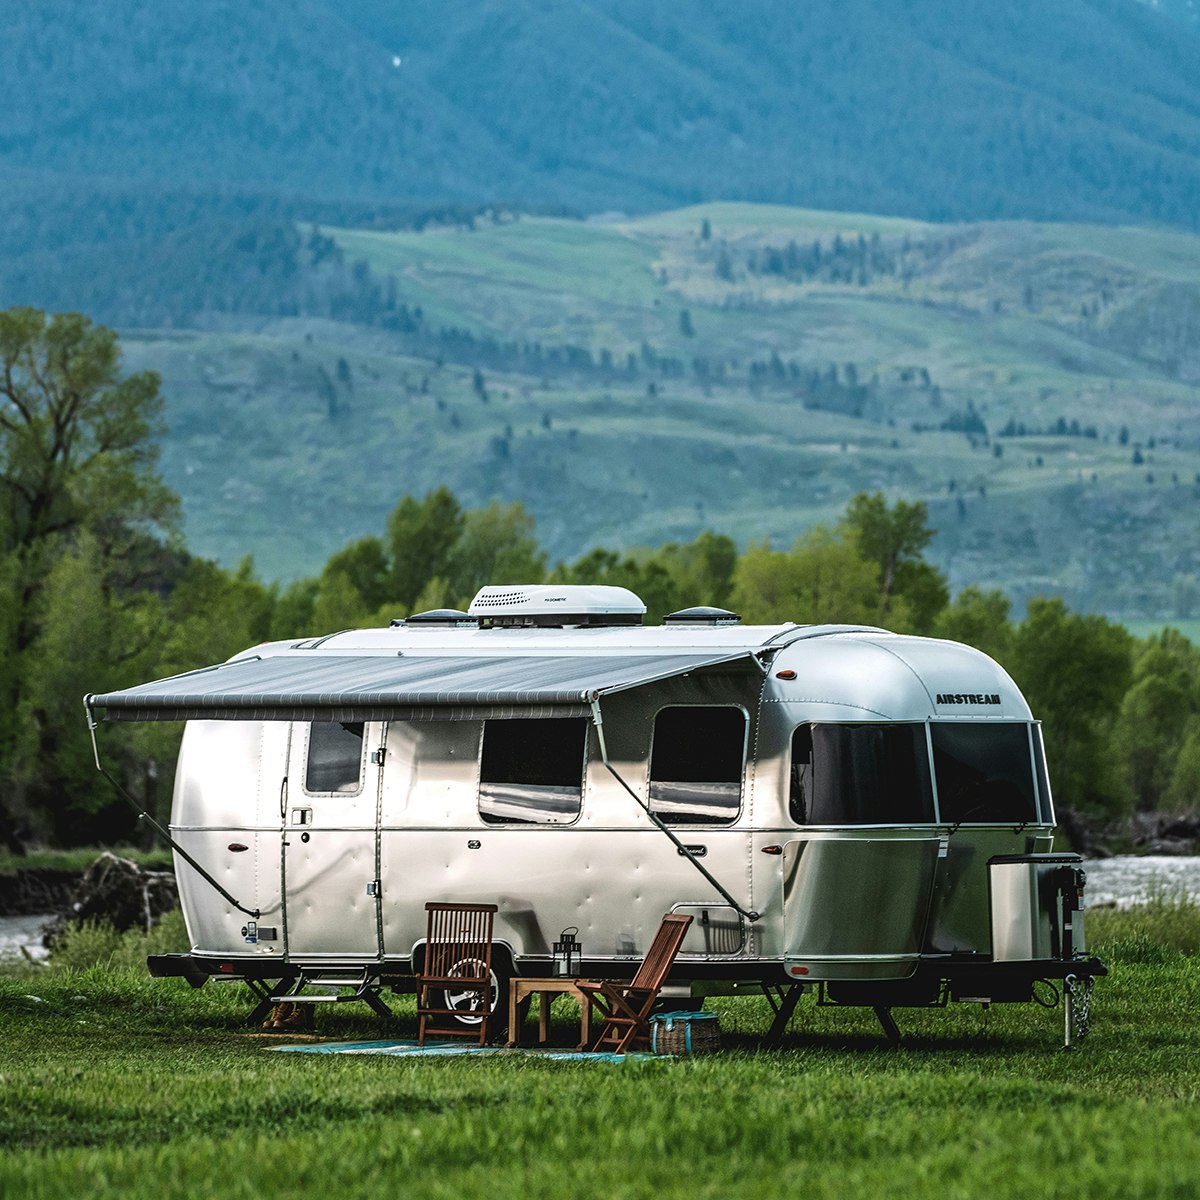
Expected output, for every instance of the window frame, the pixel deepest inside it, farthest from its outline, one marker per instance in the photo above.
(362, 761)
(497, 822)
(722, 823)
(932, 823)
(1040, 804)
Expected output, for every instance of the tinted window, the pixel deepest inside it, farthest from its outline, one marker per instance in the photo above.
(334, 757)
(696, 765)
(1043, 778)
(984, 773)
(532, 770)
(860, 775)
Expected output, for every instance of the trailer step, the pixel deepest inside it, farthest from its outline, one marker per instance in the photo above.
(359, 987)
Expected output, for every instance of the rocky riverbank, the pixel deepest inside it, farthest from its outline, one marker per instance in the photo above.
(112, 889)
(1159, 834)
(31, 890)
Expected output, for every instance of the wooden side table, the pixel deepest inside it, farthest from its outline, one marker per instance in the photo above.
(522, 990)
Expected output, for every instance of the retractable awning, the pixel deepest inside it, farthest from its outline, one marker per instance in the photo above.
(303, 686)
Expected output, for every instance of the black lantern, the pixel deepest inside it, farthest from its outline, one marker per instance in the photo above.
(566, 953)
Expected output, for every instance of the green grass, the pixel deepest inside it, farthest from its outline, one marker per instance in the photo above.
(114, 1084)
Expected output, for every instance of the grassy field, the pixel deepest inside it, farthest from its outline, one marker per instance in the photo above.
(291, 436)
(118, 1085)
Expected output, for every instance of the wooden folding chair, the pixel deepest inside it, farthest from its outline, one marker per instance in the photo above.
(625, 1004)
(458, 963)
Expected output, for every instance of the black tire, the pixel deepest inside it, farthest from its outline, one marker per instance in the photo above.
(498, 1020)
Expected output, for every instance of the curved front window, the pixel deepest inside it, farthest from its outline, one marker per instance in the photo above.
(984, 773)
(860, 775)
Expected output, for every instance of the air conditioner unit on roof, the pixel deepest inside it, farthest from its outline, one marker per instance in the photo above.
(549, 605)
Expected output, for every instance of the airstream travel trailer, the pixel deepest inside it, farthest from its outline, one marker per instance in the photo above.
(838, 807)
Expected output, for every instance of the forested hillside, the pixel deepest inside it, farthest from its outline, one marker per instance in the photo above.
(350, 238)
(738, 368)
(1041, 109)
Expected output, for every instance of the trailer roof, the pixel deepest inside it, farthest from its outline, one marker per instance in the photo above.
(372, 687)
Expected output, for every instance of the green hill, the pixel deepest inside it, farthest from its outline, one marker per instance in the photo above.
(636, 380)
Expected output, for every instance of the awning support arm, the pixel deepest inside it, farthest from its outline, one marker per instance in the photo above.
(143, 815)
(598, 721)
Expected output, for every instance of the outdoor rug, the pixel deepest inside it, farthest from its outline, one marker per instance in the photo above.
(410, 1049)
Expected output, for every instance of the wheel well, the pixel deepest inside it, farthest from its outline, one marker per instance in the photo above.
(503, 958)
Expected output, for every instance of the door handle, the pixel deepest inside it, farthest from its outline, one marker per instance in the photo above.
(301, 816)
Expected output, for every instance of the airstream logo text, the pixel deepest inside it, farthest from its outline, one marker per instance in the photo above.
(968, 698)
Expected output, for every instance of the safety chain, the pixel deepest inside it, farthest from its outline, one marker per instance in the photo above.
(1081, 996)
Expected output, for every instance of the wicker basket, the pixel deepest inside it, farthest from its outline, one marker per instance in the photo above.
(685, 1033)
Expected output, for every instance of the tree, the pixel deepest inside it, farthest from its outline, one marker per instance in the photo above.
(893, 540)
(822, 579)
(497, 544)
(421, 537)
(79, 500)
(1156, 713)
(979, 619)
(1074, 670)
(76, 440)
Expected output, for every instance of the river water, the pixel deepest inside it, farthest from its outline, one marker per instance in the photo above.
(20, 936)
(1124, 881)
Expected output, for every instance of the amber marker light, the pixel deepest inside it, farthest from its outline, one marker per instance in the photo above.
(772, 849)
(786, 673)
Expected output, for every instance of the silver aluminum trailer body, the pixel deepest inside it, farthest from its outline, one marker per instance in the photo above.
(862, 783)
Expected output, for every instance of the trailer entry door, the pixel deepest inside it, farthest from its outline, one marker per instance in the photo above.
(330, 841)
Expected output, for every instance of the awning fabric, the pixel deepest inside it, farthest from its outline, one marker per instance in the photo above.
(326, 687)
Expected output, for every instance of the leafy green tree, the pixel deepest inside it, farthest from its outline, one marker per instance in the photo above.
(421, 539)
(87, 639)
(894, 540)
(79, 500)
(1156, 712)
(822, 579)
(496, 544)
(292, 613)
(702, 570)
(979, 619)
(1183, 792)
(1074, 671)
(364, 564)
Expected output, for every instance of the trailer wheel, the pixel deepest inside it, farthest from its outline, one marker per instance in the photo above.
(466, 1000)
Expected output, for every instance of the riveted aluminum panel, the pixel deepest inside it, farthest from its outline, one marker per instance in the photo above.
(614, 885)
(214, 926)
(855, 906)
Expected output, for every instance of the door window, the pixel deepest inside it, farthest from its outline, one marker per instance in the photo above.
(335, 758)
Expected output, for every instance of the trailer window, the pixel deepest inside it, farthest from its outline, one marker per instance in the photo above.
(860, 775)
(984, 773)
(335, 753)
(1046, 801)
(532, 770)
(696, 765)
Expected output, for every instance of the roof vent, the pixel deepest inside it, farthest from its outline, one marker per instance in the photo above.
(547, 605)
(438, 618)
(702, 614)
